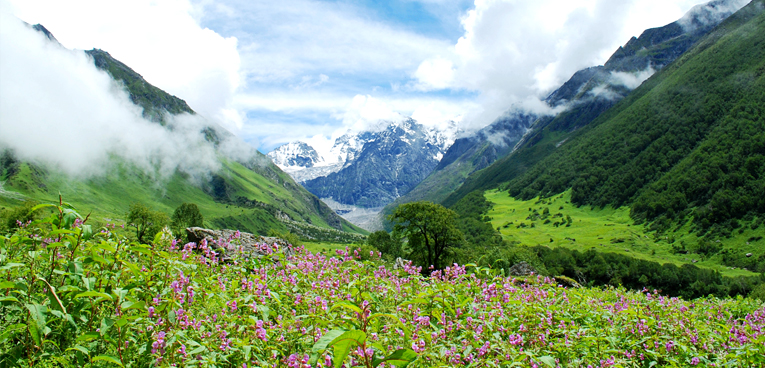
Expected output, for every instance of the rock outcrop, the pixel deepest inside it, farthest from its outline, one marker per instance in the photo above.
(226, 241)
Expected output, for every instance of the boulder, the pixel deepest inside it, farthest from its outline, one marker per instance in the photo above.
(223, 241)
(522, 269)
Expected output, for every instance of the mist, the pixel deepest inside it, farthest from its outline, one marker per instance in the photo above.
(58, 110)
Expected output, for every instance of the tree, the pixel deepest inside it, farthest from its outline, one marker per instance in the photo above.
(386, 244)
(186, 215)
(430, 228)
(145, 221)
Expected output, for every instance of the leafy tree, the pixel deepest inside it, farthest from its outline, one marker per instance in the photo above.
(145, 221)
(186, 215)
(385, 243)
(430, 228)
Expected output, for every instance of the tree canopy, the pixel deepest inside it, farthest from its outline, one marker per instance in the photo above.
(430, 228)
(145, 221)
(186, 215)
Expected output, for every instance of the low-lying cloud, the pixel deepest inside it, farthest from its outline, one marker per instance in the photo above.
(58, 109)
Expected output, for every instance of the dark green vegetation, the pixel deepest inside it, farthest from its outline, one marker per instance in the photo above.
(154, 101)
(145, 221)
(690, 141)
(186, 215)
(430, 229)
(586, 95)
(684, 153)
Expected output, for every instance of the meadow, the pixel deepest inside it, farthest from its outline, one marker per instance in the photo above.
(74, 295)
(556, 222)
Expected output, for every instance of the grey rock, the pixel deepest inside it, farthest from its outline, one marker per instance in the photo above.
(522, 269)
(252, 245)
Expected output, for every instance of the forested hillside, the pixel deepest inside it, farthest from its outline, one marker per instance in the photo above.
(592, 92)
(689, 141)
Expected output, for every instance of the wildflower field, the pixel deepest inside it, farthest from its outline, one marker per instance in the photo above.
(76, 296)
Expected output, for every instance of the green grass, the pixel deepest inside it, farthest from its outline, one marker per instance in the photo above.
(324, 247)
(604, 229)
(108, 196)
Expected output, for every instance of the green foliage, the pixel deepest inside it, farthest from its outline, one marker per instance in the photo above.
(431, 230)
(145, 221)
(11, 217)
(389, 246)
(186, 215)
(690, 139)
(74, 297)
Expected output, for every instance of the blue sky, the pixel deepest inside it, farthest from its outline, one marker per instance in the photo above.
(277, 71)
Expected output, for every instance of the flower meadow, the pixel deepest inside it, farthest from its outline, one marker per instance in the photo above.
(74, 296)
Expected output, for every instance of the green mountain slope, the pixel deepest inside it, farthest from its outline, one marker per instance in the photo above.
(690, 139)
(248, 192)
(593, 91)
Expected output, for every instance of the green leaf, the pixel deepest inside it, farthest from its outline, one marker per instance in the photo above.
(37, 313)
(548, 361)
(44, 205)
(133, 305)
(108, 358)
(11, 265)
(106, 324)
(93, 294)
(35, 332)
(87, 232)
(81, 349)
(7, 285)
(321, 345)
(347, 306)
(399, 358)
(343, 344)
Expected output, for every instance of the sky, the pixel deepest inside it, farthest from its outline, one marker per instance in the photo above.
(273, 72)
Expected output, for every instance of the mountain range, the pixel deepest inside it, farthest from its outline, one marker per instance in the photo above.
(364, 171)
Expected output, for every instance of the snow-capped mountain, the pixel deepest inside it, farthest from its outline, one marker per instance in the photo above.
(304, 162)
(295, 155)
(390, 162)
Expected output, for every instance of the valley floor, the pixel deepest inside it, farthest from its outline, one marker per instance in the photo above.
(606, 230)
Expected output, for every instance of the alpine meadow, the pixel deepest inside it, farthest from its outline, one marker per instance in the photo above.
(447, 184)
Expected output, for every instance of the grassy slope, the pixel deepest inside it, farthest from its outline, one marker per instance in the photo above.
(605, 229)
(109, 196)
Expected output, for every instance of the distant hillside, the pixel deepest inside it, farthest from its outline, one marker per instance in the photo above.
(248, 192)
(688, 143)
(593, 91)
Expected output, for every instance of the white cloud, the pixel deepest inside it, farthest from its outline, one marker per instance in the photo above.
(285, 40)
(631, 80)
(434, 74)
(159, 39)
(57, 109)
(516, 51)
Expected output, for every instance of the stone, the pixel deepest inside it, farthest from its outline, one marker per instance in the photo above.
(749, 254)
(251, 244)
(522, 269)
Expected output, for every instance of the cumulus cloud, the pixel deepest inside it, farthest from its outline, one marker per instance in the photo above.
(57, 109)
(161, 40)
